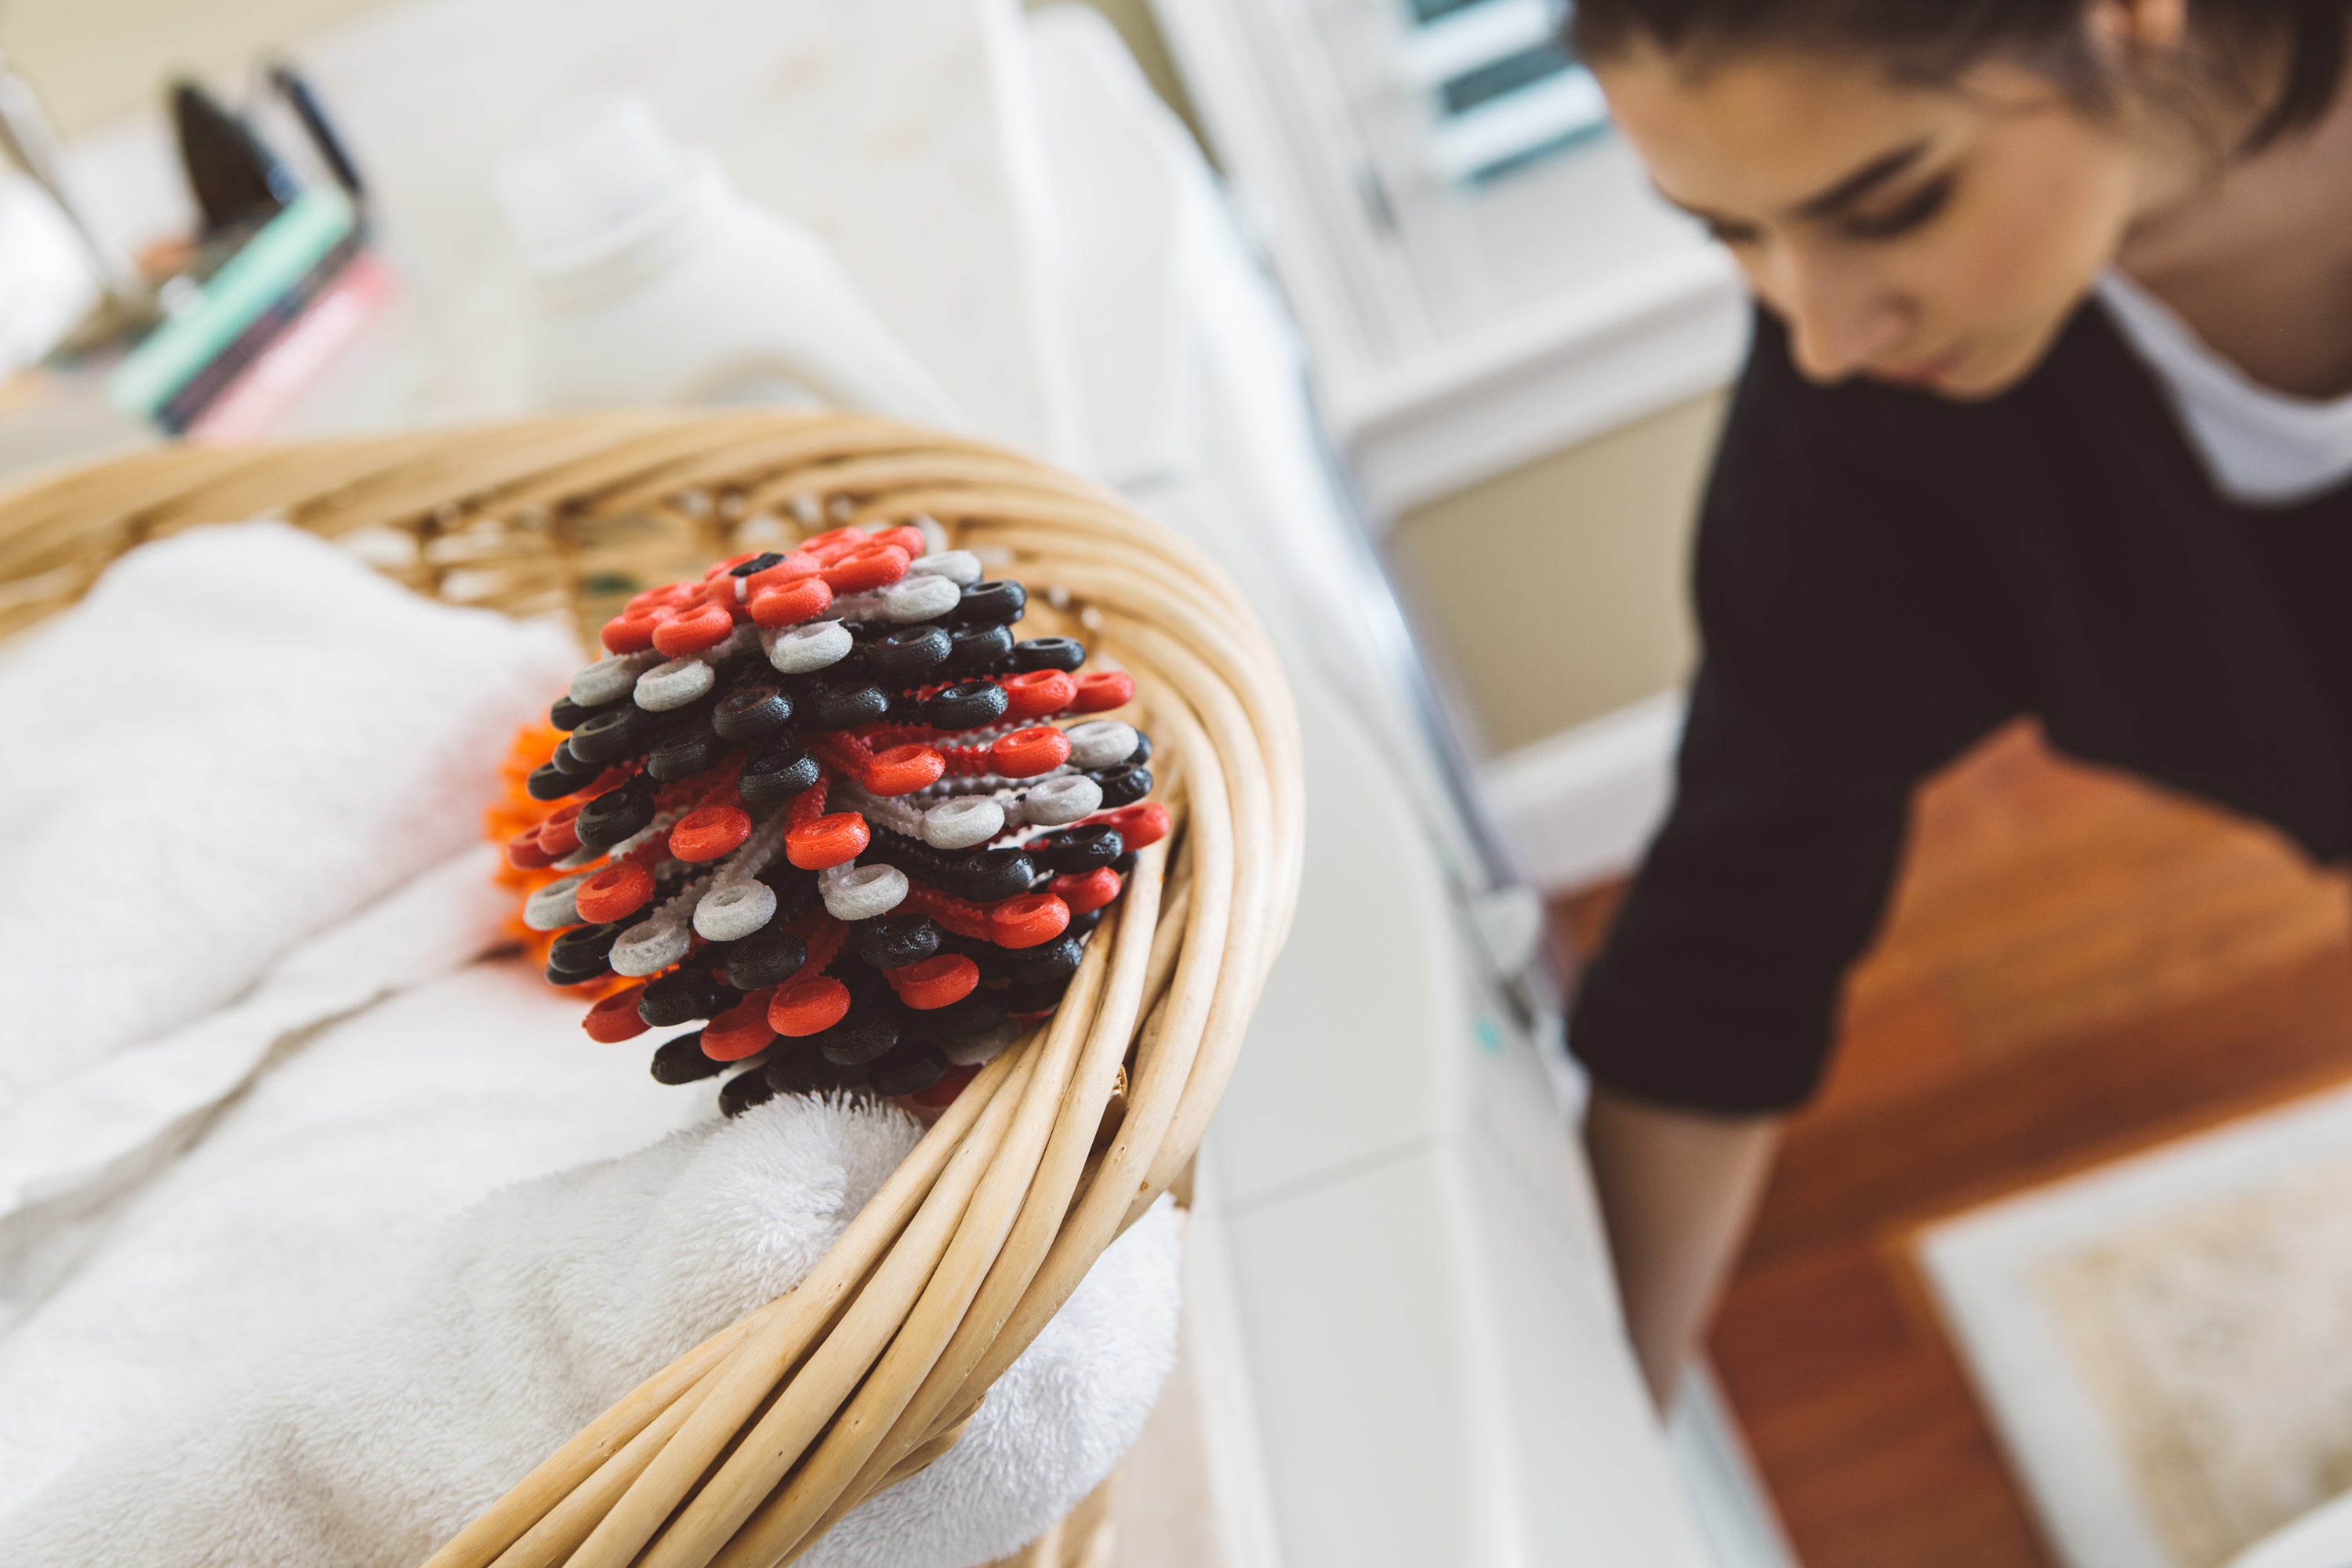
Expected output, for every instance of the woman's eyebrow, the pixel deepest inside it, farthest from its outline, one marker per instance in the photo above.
(1862, 182)
(1682, 206)
(1837, 197)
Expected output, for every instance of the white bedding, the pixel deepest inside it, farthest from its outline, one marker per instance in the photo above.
(274, 1294)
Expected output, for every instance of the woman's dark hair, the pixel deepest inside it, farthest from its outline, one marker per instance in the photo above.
(1937, 39)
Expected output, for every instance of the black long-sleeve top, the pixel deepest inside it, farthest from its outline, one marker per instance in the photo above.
(1882, 576)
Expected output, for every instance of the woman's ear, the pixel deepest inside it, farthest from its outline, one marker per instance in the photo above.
(2123, 29)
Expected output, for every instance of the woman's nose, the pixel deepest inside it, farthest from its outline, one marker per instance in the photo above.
(1839, 323)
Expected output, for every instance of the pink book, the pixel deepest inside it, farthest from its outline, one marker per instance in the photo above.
(248, 406)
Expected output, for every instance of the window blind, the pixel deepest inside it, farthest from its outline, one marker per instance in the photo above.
(1500, 88)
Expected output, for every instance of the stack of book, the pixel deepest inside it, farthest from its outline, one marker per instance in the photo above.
(225, 367)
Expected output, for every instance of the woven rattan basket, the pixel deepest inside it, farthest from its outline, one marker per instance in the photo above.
(746, 1449)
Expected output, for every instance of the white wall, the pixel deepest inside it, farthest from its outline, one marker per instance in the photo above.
(92, 60)
(1557, 593)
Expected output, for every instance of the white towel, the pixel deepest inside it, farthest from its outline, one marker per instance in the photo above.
(321, 1332)
(282, 1357)
(1052, 1427)
(241, 735)
(70, 1152)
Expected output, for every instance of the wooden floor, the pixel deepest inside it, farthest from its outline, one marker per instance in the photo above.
(2077, 966)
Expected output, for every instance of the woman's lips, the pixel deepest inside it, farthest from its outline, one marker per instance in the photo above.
(1920, 373)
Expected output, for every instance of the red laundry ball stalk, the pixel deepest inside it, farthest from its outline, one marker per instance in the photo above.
(1026, 753)
(693, 630)
(615, 1018)
(825, 938)
(1035, 693)
(1029, 919)
(797, 565)
(905, 537)
(804, 1007)
(836, 542)
(903, 769)
(632, 631)
(619, 890)
(524, 853)
(1093, 890)
(605, 783)
(942, 1092)
(869, 568)
(668, 596)
(966, 919)
(560, 835)
(1099, 690)
(788, 604)
(740, 1031)
(809, 804)
(936, 982)
(707, 833)
(1144, 823)
(849, 755)
(830, 840)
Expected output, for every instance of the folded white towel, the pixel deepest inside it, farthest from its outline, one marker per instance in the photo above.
(273, 1362)
(70, 1152)
(347, 1150)
(241, 735)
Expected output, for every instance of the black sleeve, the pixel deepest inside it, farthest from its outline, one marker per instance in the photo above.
(1849, 650)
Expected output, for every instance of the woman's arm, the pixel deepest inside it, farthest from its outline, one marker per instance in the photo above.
(1677, 1189)
(1854, 643)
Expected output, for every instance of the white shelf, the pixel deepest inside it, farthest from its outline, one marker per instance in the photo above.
(1612, 351)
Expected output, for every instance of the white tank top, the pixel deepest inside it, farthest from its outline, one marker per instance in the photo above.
(2263, 446)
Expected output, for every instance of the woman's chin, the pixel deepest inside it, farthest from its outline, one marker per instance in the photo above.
(1974, 382)
(1987, 370)
(1970, 377)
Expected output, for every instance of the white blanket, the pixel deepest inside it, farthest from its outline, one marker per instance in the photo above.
(332, 1329)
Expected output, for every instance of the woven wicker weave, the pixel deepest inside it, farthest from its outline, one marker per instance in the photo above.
(747, 1448)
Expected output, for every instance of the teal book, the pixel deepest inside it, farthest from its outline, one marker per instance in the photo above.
(271, 265)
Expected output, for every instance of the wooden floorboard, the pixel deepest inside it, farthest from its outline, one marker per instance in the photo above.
(2074, 966)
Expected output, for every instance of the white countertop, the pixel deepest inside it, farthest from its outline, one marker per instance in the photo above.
(881, 128)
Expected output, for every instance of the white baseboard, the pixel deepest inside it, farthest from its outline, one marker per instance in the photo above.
(1734, 1515)
(1581, 807)
(1240, 1494)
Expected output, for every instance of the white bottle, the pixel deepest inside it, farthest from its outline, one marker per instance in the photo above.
(655, 283)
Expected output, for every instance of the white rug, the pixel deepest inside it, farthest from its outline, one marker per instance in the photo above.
(2165, 1342)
